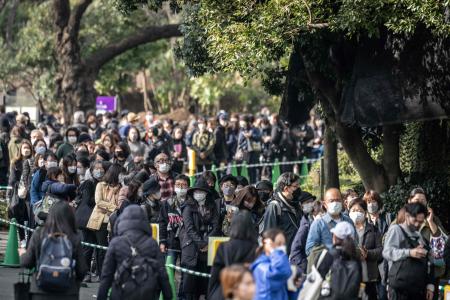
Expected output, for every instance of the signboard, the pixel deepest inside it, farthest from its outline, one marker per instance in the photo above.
(105, 104)
(213, 245)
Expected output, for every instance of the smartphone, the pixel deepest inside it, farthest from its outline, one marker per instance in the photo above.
(232, 209)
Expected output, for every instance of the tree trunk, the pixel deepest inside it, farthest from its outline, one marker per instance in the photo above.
(331, 168)
(391, 153)
(372, 174)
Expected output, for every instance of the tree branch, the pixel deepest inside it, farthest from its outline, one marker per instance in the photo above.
(76, 16)
(146, 35)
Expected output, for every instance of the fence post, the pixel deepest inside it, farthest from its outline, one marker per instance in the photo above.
(244, 171)
(276, 171)
(304, 173)
(234, 171)
(171, 275)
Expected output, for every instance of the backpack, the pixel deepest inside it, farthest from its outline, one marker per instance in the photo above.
(41, 208)
(137, 276)
(409, 274)
(55, 264)
(345, 278)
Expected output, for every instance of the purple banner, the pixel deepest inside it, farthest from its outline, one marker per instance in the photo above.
(105, 103)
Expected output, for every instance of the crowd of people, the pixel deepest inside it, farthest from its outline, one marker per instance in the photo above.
(105, 179)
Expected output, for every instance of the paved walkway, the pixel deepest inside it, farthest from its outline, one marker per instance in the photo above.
(9, 276)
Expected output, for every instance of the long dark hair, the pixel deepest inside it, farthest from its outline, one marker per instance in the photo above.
(60, 219)
(242, 227)
(111, 176)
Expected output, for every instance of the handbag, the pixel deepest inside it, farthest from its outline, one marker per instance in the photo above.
(22, 190)
(313, 283)
(22, 287)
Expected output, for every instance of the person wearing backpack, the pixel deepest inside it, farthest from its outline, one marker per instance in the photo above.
(106, 202)
(53, 249)
(411, 269)
(134, 266)
(340, 266)
(282, 212)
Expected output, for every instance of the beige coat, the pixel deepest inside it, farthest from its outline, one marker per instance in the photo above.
(106, 202)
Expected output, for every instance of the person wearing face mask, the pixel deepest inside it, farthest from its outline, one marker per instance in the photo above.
(248, 199)
(83, 164)
(85, 206)
(43, 163)
(122, 156)
(298, 255)
(69, 168)
(164, 176)
(271, 269)
(370, 246)
(319, 235)
(95, 131)
(151, 200)
(220, 148)
(171, 218)
(411, 276)
(203, 143)
(265, 190)
(106, 202)
(282, 211)
(180, 153)
(68, 146)
(227, 185)
(18, 207)
(201, 221)
(249, 146)
(108, 142)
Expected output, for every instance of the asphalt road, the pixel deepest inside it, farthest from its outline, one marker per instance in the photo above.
(9, 276)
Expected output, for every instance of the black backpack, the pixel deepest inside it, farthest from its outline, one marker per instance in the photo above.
(55, 265)
(345, 279)
(137, 277)
(409, 274)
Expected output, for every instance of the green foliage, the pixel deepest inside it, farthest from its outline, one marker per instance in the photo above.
(436, 186)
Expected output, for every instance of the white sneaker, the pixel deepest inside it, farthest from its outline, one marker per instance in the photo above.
(23, 244)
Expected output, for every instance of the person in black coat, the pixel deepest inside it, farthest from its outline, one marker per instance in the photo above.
(201, 220)
(60, 220)
(241, 249)
(282, 212)
(85, 201)
(132, 227)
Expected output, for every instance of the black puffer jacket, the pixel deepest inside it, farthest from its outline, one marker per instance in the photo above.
(85, 202)
(132, 225)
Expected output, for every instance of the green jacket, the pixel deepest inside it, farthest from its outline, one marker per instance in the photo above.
(64, 150)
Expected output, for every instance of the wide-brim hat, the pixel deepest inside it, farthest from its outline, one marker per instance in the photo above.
(200, 185)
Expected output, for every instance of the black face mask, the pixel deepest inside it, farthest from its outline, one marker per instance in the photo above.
(264, 196)
(296, 195)
(120, 155)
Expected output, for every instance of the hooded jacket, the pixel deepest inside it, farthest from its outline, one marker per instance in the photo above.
(271, 274)
(133, 226)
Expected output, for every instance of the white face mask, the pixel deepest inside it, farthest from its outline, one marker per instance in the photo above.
(72, 169)
(41, 163)
(372, 207)
(52, 164)
(201, 127)
(308, 207)
(72, 139)
(200, 197)
(334, 208)
(180, 192)
(164, 168)
(41, 150)
(356, 216)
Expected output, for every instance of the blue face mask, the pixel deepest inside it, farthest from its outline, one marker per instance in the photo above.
(41, 150)
(98, 174)
(228, 191)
